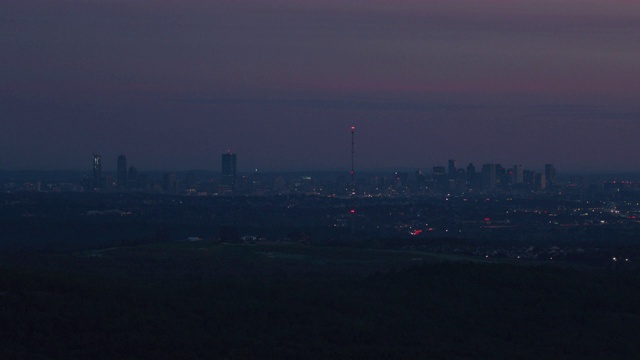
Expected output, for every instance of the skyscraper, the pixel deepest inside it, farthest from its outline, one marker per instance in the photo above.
(471, 171)
(170, 183)
(229, 169)
(489, 177)
(97, 172)
(540, 182)
(121, 179)
(453, 169)
(439, 177)
(132, 177)
(518, 174)
(550, 175)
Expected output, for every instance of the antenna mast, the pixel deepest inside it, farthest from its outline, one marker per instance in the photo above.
(353, 187)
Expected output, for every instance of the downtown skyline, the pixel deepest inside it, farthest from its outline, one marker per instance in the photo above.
(174, 84)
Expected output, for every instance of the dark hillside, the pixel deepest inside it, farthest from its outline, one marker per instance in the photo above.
(168, 301)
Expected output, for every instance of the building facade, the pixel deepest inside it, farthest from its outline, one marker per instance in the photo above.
(97, 172)
(228, 169)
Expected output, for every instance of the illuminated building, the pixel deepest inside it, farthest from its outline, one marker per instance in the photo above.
(97, 172)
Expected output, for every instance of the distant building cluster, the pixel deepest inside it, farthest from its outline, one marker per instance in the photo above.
(452, 178)
(227, 181)
(127, 179)
(490, 177)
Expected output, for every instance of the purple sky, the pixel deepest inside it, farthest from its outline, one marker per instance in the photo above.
(174, 83)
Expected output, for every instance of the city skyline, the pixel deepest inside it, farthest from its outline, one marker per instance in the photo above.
(228, 167)
(174, 83)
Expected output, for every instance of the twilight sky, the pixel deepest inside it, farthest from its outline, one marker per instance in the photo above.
(174, 83)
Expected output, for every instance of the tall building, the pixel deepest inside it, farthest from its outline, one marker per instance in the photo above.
(256, 183)
(97, 172)
(439, 177)
(471, 171)
(420, 178)
(518, 174)
(550, 175)
(453, 168)
(529, 178)
(170, 183)
(540, 182)
(501, 176)
(121, 179)
(132, 177)
(489, 177)
(229, 169)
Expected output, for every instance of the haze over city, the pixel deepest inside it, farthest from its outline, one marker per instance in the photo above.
(173, 84)
(319, 179)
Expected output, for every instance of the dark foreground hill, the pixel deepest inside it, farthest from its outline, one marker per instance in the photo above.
(207, 301)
